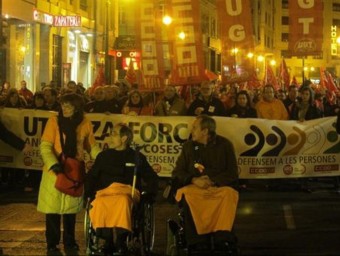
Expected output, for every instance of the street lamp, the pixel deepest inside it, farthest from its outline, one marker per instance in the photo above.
(167, 20)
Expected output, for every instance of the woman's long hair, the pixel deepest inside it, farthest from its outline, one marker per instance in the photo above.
(129, 102)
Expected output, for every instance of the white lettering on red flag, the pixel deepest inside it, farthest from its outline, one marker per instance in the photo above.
(236, 33)
(149, 34)
(186, 54)
(305, 27)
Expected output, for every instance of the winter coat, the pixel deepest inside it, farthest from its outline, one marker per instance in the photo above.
(176, 108)
(50, 200)
(313, 112)
(218, 158)
(274, 110)
(214, 107)
(242, 112)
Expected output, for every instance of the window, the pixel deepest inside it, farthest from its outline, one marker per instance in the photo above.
(83, 5)
(285, 20)
(336, 7)
(284, 37)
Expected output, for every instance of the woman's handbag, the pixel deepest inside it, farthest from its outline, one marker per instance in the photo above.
(71, 180)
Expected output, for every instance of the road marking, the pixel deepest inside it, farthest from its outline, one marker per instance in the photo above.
(289, 217)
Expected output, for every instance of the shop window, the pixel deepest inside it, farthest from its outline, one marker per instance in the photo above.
(56, 59)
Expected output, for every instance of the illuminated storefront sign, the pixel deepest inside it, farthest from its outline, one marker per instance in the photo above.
(334, 43)
(57, 20)
(67, 21)
(43, 17)
(124, 58)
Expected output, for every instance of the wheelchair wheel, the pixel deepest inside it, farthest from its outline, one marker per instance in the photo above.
(91, 241)
(148, 228)
(87, 225)
(175, 244)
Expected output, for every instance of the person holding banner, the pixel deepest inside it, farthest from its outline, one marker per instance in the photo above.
(305, 108)
(171, 104)
(206, 102)
(77, 136)
(135, 105)
(116, 180)
(206, 172)
(242, 108)
(269, 107)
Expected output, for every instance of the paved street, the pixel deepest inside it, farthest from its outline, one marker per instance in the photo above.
(283, 222)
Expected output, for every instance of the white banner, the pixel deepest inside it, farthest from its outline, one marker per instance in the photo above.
(264, 148)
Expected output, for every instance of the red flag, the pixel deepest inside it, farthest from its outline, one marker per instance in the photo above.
(210, 75)
(284, 75)
(131, 76)
(99, 81)
(235, 15)
(305, 27)
(294, 81)
(323, 78)
(254, 82)
(327, 82)
(331, 85)
(186, 55)
(269, 77)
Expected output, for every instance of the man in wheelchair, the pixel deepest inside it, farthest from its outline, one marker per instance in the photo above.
(207, 176)
(115, 183)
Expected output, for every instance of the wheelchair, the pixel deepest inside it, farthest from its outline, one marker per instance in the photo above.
(176, 244)
(139, 242)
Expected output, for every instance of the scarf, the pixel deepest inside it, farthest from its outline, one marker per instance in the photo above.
(68, 126)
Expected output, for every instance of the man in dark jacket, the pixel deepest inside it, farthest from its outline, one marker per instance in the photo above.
(206, 164)
(206, 102)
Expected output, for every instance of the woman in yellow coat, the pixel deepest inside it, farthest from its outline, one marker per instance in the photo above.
(77, 136)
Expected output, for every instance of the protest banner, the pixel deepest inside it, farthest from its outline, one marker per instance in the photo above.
(264, 148)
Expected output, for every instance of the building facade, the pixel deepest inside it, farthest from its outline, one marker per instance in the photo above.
(53, 40)
(64, 40)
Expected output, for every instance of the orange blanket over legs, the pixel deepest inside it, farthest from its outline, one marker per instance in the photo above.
(212, 209)
(112, 207)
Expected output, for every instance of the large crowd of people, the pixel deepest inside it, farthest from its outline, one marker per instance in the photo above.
(298, 102)
(197, 167)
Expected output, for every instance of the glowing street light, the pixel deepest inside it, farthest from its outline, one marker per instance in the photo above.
(234, 51)
(260, 58)
(273, 62)
(250, 55)
(182, 35)
(167, 20)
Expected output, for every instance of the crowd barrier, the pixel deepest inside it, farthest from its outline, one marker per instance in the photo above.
(264, 148)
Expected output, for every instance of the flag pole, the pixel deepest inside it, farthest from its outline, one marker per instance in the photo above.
(303, 69)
